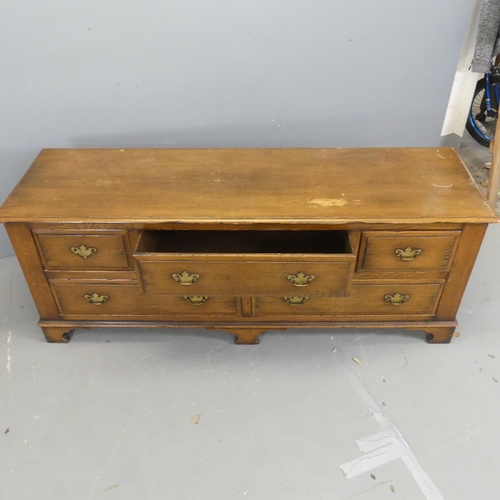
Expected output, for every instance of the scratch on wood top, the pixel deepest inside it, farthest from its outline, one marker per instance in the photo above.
(328, 202)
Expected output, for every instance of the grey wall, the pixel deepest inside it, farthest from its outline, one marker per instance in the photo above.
(224, 73)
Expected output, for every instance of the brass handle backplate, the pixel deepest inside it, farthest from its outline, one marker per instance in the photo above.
(295, 301)
(397, 299)
(185, 278)
(300, 279)
(196, 300)
(408, 253)
(83, 251)
(95, 299)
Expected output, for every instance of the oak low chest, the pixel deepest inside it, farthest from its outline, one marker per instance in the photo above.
(247, 240)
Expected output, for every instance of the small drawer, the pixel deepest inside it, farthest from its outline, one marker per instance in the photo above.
(83, 251)
(245, 263)
(126, 300)
(393, 299)
(401, 251)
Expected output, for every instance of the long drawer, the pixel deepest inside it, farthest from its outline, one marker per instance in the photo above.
(240, 263)
(94, 299)
(104, 299)
(386, 299)
(246, 278)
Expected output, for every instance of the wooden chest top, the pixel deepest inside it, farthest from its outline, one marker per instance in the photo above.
(397, 185)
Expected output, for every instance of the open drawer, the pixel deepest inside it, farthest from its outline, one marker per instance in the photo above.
(233, 262)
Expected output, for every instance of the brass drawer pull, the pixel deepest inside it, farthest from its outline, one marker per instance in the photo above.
(185, 278)
(83, 251)
(397, 299)
(196, 300)
(300, 279)
(95, 299)
(295, 301)
(408, 253)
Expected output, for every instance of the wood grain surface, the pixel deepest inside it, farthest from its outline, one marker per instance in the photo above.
(247, 185)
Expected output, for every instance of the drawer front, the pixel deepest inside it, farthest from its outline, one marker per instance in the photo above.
(246, 278)
(83, 251)
(386, 300)
(123, 300)
(407, 250)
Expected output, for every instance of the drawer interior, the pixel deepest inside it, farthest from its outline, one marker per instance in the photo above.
(245, 242)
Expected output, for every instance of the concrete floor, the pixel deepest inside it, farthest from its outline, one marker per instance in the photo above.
(152, 414)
